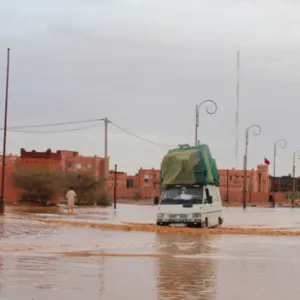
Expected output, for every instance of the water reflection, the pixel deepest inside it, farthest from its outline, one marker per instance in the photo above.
(204, 267)
(183, 278)
(48, 278)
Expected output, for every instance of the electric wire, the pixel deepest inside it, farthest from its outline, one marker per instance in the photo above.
(19, 129)
(54, 131)
(139, 137)
(54, 124)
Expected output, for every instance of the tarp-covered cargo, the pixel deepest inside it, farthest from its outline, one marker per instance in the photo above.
(188, 166)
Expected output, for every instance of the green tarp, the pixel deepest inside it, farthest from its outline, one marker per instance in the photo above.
(191, 165)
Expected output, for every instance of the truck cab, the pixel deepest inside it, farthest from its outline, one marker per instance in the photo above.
(191, 205)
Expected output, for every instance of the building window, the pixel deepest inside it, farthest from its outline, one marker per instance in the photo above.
(146, 178)
(129, 183)
(69, 164)
(78, 166)
(89, 166)
(230, 177)
(145, 187)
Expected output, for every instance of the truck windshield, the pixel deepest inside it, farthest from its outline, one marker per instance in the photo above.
(182, 195)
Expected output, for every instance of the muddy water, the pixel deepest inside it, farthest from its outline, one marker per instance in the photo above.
(285, 218)
(34, 265)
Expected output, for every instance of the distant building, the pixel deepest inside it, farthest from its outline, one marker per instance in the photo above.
(146, 182)
(283, 184)
(257, 180)
(257, 184)
(64, 160)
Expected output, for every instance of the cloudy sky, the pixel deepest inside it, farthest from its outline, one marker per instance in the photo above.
(145, 65)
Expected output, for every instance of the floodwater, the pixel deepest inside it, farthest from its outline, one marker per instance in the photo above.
(34, 264)
(285, 218)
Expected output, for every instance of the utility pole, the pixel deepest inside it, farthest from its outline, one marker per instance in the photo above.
(115, 188)
(227, 187)
(196, 125)
(250, 194)
(237, 110)
(256, 129)
(4, 135)
(294, 179)
(105, 153)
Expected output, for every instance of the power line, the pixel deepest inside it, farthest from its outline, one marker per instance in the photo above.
(139, 137)
(54, 131)
(54, 124)
(18, 129)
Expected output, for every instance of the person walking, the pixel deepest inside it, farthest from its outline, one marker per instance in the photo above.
(71, 196)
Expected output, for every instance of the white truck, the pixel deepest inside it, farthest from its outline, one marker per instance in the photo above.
(183, 199)
(194, 206)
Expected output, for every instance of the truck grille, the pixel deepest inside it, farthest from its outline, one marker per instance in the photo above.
(178, 216)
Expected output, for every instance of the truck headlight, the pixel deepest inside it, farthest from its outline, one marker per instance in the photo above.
(196, 216)
(166, 217)
(160, 216)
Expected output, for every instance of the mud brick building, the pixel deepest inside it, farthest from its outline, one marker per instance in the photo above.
(145, 184)
(64, 160)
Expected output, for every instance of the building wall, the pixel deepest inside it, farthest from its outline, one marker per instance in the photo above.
(121, 180)
(64, 160)
(93, 164)
(146, 183)
(257, 180)
(10, 193)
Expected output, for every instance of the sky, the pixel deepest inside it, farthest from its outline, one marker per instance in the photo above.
(145, 65)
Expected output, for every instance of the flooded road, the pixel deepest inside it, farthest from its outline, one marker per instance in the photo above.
(252, 217)
(34, 264)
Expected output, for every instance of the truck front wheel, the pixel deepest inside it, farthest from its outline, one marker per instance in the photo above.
(220, 221)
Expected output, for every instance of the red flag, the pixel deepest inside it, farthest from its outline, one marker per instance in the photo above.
(267, 162)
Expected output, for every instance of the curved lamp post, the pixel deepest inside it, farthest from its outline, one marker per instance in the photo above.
(210, 112)
(294, 179)
(282, 144)
(256, 130)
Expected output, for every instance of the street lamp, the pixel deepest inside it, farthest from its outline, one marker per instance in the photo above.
(256, 130)
(282, 144)
(210, 112)
(294, 179)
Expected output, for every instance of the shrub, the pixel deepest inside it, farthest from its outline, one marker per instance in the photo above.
(42, 185)
(38, 185)
(85, 185)
(103, 199)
